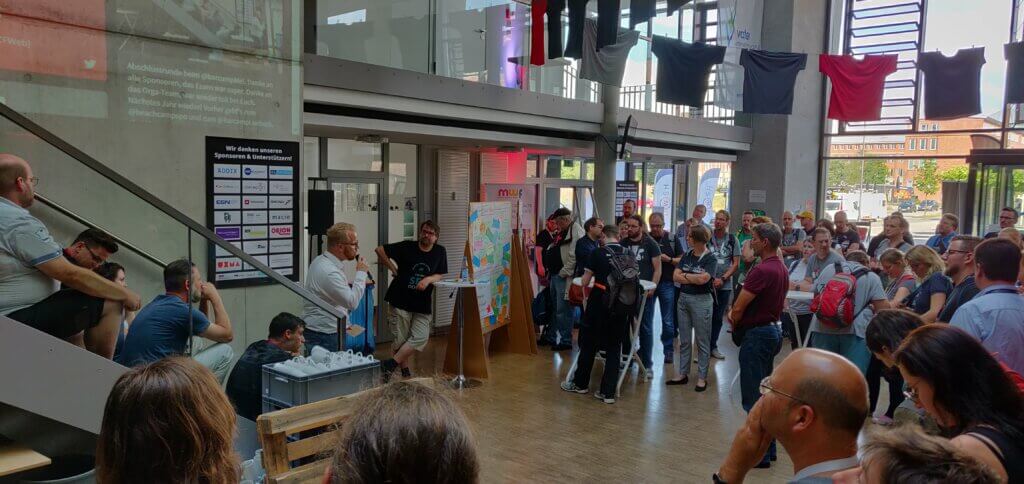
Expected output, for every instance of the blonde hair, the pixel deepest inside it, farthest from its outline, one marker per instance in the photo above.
(340, 233)
(1011, 234)
(925, 255)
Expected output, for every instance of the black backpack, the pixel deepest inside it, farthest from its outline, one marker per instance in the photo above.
(623, 281)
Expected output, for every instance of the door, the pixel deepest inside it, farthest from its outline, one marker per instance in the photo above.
(358, 202)
(998, 186)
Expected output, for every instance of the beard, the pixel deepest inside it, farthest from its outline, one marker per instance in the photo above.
(196, 296)
(952, 271)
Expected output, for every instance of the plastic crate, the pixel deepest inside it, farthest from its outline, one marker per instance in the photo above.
(281, 390)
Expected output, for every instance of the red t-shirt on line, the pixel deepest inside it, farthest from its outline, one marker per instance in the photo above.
(537, 52)
(769, 282)
(857, 85)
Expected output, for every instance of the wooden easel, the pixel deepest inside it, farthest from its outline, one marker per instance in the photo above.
(513, 336)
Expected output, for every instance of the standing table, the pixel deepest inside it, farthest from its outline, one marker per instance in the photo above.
(802, 296)
(634, 337)
(460, 285)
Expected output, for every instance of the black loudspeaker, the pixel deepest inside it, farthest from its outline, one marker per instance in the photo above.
(321, 211)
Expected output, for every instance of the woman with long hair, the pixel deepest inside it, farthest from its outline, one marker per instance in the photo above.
(405, 433)
(167, 422)
(694, 275)
(953, 377)
(901, 280)
(883, 336)
(933, 287)
(114, 272)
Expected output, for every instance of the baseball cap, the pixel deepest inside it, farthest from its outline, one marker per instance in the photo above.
(806, 214)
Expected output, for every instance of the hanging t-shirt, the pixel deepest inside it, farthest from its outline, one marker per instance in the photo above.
(1014, 53)
(768, 80)
(857, 85)
(683, 70)
(607, 23)
(641, 11)
(537, 10)
(554, 11)
(608, 65)
(674, 5)
(577, 13)
(952, 85)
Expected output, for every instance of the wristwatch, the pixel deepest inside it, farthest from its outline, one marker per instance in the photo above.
(717, 480)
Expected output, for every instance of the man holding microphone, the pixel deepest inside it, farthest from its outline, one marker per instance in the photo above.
(326, 279)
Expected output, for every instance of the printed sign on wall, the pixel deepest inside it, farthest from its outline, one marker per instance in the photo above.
(251, 192)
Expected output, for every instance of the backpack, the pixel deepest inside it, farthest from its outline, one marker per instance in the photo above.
(834, 305)
(623, 281)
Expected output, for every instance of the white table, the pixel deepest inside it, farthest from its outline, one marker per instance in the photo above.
(634, 338)
(460, 285)
(799, 296)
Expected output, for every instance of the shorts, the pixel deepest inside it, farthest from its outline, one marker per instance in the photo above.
(63, 314)
(410, 328)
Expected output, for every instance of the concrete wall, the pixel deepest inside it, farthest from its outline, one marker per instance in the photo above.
(784, 157)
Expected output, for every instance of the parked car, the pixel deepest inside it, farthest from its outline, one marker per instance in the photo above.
(928, 206)
(907, 206)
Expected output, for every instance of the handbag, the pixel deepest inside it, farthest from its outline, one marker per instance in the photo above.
(576, 295)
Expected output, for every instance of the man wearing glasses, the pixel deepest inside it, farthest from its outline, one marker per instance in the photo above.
(814, 404)
(959, 259)
(1008, 217)
(415, 266)
(327, 280)
(32, 268)
(91, 249)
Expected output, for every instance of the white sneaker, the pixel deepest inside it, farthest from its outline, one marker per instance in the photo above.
(716, 355)
(571, 387)
(600, 396)
(647, 375)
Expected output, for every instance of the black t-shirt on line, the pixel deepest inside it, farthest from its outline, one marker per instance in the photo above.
(644, 250)
(683, 70)
(577, 14)
(414, 265)
(554, 12)
(952, 85)
(768, 80)
(705, 264)
(641, 11)
(607, 22)
(1014, 72)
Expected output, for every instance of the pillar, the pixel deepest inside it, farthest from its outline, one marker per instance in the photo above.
(604, 163)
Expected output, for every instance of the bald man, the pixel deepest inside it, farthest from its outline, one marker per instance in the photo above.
(814, 404)
(32, 266)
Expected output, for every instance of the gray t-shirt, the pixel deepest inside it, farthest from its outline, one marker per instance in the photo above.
(815, 265)
(24, 244)
(724, 249)
(884, 244)
(869, 288)
(607, 65)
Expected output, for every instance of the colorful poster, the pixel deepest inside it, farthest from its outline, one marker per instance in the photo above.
(706, 192)
(490, 243)
(739, 28)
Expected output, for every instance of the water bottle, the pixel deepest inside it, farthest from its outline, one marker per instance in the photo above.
(464, 275)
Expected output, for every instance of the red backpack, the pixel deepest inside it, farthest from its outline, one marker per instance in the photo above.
(834, 305)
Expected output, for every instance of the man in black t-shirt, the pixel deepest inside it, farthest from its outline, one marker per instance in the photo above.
(648, 257)
(666, 291)
(959, 258)
(603, 328)
(846, 235)
(419, 265)
(245, 385)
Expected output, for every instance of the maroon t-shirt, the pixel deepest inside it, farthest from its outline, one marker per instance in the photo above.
(769, 282)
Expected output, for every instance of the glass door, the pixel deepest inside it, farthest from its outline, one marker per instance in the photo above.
(998, 186)
(358, 202)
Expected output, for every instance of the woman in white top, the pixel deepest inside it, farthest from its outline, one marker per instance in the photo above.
(802, 309)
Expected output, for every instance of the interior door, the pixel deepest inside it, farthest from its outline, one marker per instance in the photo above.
(358, 202)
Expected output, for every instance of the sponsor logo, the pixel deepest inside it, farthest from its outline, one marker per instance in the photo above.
(281, 260)
(221, 252)
(254, 171)
(255, 216)
(256, 247)
(225, 203)
(280, 187)
(509, 192)
(254, 186)
(255, 232)
(281, 173)
(281, 217)
(228, 233)
(280, 246)
(234, 276)
(226, 171)
(250, 201)
(226, 218)
(228, 264)
(280, 231)
(227, 186)
(280, 202)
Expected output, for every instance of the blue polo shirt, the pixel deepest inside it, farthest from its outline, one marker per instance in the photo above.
(161, 329)
(940, 242)
(996, 317)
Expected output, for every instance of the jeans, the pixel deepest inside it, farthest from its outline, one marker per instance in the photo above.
(647, 334)
(561, 330)
(849, 346)
(695, 316)
(757, 358)
(666, 295)
(876, 371)
(329, 341)
(722, 299)
(601, 329)
(217, 358)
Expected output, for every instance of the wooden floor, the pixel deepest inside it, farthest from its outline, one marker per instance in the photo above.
(529, 430)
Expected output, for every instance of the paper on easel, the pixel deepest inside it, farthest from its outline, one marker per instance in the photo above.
(355, 330)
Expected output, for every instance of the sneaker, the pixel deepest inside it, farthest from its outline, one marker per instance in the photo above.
(647, 374)
(606, 399)
(571, 387)
(716, 355)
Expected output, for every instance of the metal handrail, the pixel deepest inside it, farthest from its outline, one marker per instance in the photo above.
(119, 180)
(82, 220)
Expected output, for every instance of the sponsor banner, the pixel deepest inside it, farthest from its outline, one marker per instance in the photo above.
(238, 276)
(255, 171)
(280, 216)
(281, 231)
(254, 202)
(254, 186)
(281, 260)
(226, 171)
(224, 253)
(282, 172)
(284, 245)
(251, 217)
(259, 258)
(254, 232)
(257, 246)
(227, 186)
(228, 264)
(281, 202)
(279, 187)
(226, 203)
(228, 233)
(231, 217)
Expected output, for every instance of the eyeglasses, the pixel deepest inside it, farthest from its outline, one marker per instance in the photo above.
(32, 181)
(95, 257)
(767, 388)
(1010, 217)
(956, 251)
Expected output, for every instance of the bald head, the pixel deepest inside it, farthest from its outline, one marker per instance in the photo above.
(832, 386)
(15, 180)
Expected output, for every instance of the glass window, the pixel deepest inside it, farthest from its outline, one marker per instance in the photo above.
(531, 167)
(564, 169)
(402, 209)
(913, 144)
(935, 143)
(386, 33)
(343, 154)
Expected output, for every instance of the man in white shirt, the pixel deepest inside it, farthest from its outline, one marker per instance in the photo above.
(326, 279)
